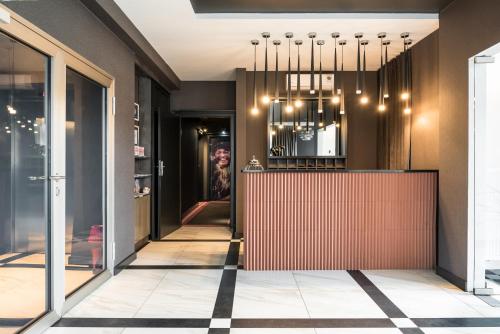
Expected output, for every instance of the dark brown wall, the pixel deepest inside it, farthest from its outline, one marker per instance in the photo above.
(466, 28)
(205, 95)
(425, 109)
(362, 121)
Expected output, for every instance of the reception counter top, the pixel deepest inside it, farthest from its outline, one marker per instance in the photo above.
(341, 219)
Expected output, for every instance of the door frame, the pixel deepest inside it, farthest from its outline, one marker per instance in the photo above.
(60, 57)
(476, 281)
(231, 114)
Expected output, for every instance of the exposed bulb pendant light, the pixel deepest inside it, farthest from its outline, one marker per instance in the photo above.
(386, 75)
(405, 94)
(276, 74)
(255, 110)
(381, 104)
(298, 100)
(358, 36)
(364, 97)
(320, 95)
(289, 107)
(312, 36)
(266, 99)
(342, 43)
(335, 85)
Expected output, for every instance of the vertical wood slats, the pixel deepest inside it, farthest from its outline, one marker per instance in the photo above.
(328, 221)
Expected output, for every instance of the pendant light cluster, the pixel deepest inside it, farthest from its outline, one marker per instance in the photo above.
(295, 103)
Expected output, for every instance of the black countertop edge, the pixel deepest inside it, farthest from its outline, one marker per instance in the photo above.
(354, 171)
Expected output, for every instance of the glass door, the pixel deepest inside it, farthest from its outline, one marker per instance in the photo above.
(486, 136)
(85, 180)
(24, 194)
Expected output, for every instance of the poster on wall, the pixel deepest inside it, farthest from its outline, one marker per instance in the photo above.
(220, 168)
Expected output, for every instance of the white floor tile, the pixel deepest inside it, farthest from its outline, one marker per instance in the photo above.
(198, 279)
(179, 304)
(482, 330)
(333, 303)
(265, 280)
(83, 330)
(429, 304)
(165, 331)
(357, 331)
(272, 331)
(268, 303)
(335, 279)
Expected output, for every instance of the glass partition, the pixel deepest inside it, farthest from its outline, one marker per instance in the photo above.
(85, 190)
(24, 264)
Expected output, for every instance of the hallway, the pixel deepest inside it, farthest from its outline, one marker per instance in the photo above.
(193, 282)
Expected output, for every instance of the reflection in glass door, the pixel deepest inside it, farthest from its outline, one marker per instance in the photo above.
(85, 186)
(24, 174)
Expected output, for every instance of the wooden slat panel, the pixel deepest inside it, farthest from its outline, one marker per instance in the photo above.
(319, 221)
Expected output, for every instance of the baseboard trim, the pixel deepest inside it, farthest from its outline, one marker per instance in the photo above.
(128, 260)
(452, 278)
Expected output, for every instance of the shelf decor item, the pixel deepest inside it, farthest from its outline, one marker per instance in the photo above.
(136, 112)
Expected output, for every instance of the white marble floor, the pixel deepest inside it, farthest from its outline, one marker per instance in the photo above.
(212, 295)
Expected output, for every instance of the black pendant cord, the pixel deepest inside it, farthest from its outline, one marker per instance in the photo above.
(381, 73)
(299, 102)
(307, 118)
(272, 117)
(12, 78)
(281, 116)
(335, 79)
(342, 90)
(320, 95)
(363, 82)
(276, 73)
(358, 64)
(266, 36)
(312, 36)
(386, 76)
(254, 76)
(289, 36)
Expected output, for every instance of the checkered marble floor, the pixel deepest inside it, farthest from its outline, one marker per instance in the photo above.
(180, 286)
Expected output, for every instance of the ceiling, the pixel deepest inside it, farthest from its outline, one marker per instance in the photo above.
(319, 6)
(211, 46)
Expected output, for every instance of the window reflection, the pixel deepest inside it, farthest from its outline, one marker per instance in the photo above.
(84, 180)
(23, 184)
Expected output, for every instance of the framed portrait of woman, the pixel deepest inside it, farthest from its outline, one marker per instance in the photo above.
(220, 167)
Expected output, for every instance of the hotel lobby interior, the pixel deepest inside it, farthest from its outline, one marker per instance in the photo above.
(249, 166)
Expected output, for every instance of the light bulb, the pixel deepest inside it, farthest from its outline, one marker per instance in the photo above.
(273, 132)
(6, 128)
(280, 126)
(405, 96)
(299, 127)
(358, 91)
(276, 100)
(30, 129)
(386, 96)
(407, 111)
(298, 103)
(289, 109)
(18, 122)
(320, 111)
(254, 111)
(35, 131)
(35, 124)
(342, 112)
(336, 99)
(312, 91)
(320, 124)
(23, 126)
(266, 99)
(8, 131)
(364, 100)
(381, 107)
(11, 110)
(337, 125)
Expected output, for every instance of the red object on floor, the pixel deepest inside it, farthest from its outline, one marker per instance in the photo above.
(95, 240)
(192, 212)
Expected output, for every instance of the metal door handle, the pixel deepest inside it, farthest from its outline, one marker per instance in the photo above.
(57, 177)
(160, 167)
(36, 178)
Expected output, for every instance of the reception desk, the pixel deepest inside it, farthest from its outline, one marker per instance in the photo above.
(325, 220)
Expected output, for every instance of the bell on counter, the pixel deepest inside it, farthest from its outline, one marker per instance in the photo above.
(253, 165)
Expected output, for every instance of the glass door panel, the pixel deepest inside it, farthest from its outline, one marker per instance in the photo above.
(24, 174)
(85, 186)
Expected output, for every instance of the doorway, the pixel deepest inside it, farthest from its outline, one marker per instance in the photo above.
(207, 173)
(484, 173)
